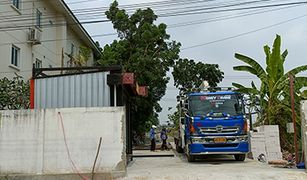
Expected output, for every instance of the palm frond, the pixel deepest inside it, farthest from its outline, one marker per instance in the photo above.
(280, 83)
(300, 82)
(245, 68)
(244, 89)
(253, 85)
(260, 71)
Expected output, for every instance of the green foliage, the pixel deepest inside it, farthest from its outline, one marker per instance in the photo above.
(274, 93)
(14, 94)
(304, 95)
(143, 48)
(188, 74)
(175, 117)
(81, 58)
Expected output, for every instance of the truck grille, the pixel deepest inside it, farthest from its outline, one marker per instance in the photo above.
(219, 130)
(220, 145)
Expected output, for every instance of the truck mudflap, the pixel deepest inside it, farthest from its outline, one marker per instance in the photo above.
(220, 148)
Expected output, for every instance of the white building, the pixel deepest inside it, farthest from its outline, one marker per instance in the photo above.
(44, 32)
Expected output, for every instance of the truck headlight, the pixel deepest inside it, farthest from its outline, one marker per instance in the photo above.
(241, 138)
(198, 140)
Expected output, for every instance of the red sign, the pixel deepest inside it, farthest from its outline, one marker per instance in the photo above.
(142, 91)
(128, 78)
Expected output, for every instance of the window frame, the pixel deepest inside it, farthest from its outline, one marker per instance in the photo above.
(38, 63)
(15, 56)
(38, 19)
(72, 49)
(16, 4)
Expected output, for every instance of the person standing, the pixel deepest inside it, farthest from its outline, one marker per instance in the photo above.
(153, 138)
(163, 136)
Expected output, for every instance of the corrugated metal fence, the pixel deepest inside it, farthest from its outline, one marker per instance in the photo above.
(84, 90)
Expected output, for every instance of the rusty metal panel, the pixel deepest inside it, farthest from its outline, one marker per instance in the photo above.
(83, 90)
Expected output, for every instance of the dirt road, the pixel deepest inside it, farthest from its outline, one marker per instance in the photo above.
(214, 167)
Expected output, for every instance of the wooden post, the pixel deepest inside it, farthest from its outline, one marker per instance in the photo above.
(62, 60)
(32, 86)
(97, 153)
(293, 117)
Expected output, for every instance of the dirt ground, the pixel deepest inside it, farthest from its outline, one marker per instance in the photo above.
(213, 167)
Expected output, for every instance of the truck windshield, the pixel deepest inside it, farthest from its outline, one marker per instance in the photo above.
(215, 105)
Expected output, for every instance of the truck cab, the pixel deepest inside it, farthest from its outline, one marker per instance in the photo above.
(214, 123)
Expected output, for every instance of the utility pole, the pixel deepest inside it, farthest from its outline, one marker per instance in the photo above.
(293, 117)
(250, 119)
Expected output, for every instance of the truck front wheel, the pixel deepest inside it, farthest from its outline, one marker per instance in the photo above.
(191, 158)
(239, 157)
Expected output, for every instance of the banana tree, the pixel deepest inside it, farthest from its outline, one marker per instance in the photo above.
(304, 95)
(274, 88)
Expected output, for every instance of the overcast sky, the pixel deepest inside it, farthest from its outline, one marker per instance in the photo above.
(250, 34)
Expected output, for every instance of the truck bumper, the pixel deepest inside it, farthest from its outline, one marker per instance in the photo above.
(227, 148)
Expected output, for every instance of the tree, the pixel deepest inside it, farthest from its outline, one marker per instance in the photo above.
(14, 94)
(274, 90)
(188, 74)
(143, 48)
(81, 58)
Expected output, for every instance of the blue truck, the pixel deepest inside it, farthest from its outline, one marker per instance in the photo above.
(213, 122)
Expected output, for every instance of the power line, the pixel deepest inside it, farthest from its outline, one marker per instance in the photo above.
(201, 10)
(99, 21)
(26, 2)
(170, 26)
(52, 40)
(225, 17)
(195, 10)
(245, 33)
(131, 6)
(95, 11)
(110, 34)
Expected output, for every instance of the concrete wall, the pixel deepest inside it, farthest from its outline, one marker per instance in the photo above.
(32, 141)
(304, 128)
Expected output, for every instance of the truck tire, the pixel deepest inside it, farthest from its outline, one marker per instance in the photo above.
(191, 158)
(239, 157)
(179, 149)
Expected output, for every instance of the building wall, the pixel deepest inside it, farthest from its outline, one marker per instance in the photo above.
(32, 142)
(304, 128)
(55, 33)
(73, 39)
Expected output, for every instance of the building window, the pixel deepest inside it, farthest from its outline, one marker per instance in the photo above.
(16, 3)
(72, 49)
(38, 18)
(15, 56)
(38, 63)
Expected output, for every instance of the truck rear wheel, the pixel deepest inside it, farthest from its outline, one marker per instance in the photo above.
(178, 147)
(191, 158)
(239, 157)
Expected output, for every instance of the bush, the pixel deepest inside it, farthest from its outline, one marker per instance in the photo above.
(14, 93)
